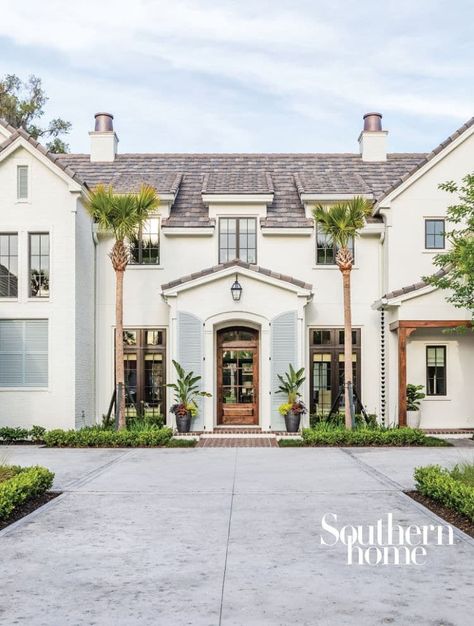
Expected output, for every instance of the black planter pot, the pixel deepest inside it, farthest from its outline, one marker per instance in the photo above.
(292, 422)
(183, 423)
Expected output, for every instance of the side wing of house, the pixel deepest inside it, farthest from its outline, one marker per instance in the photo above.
(46, 290)
(423, 349)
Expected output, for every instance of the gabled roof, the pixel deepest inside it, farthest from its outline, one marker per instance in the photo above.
(427, 158)
(235, 264)
(54, 158)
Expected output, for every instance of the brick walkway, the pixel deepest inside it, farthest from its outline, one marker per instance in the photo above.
(237, 442)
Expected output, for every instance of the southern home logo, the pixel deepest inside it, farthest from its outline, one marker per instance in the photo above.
(385, 543)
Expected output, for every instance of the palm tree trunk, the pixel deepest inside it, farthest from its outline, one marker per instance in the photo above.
(119, 365)
(346, 282)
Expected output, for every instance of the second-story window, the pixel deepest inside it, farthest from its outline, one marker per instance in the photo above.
(8, 265)
(22, 182)
(145, 247)
(238, 239)
(326, 250)
(39, 265)
(434, 234)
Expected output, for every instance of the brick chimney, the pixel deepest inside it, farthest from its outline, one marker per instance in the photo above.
(373, 140)
(103, 139)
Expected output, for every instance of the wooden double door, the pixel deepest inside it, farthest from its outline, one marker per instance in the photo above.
(237, 376)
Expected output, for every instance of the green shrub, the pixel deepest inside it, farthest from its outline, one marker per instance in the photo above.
(99, 438)
(439, 484)
(329, 435)
(36, 434)
(27, 483)
(291, 443)
(181, 443)
(13, 433)
(338, 420)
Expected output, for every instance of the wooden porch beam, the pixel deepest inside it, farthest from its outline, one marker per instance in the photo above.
(429, 324)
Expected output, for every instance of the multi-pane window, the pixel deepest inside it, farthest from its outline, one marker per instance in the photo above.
(238, 239)
(22, 182)
(145, 247)
(434, 234)
(144, 361)
(39, 265)
(326, 249)
(327, 369)
(8, 265)
(23, 353)
(436, 370)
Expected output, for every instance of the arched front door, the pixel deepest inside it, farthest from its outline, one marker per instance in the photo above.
(237, 376)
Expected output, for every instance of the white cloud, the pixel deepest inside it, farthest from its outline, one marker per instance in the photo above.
(311, 59)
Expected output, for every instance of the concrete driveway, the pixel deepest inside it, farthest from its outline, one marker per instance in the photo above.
(224, 536)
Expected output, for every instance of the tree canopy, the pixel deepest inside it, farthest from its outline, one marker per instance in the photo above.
(22, 105)
(458, 261)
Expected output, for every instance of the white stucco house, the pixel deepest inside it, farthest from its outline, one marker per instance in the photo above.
(227, 218)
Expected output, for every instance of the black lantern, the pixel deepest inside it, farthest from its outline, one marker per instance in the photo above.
(236, 289)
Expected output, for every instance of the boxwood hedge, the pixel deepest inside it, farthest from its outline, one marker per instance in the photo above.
(25, 484)
(339, 436)
(438, 484)
(98, 438)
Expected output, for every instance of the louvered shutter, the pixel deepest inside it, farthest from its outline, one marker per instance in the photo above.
(190, 353)
(284, 352)
(23, 353)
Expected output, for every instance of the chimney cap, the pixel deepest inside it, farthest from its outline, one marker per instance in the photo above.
(104, 122)
(373, 121)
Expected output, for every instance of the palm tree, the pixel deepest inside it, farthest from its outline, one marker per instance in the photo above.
(342, 223)
(122, 215)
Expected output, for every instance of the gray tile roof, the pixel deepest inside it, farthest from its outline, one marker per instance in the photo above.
(232, 173)
(397, 293)
(331, 181)
(238, 182)
(236, 263)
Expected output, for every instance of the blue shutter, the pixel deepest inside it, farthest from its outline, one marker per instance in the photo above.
(190, 353)
(23, 353)
(284, 352)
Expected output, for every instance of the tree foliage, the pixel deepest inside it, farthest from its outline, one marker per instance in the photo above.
(22, 105)
(458, 261)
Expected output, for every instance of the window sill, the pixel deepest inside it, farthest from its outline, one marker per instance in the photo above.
(330, 267)
(39, 299)
(15, 389)
(436, 399)
(434, 251)
(8, 299)
(23, 201)
(145, 266)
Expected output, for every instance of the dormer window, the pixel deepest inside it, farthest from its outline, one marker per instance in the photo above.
(237, 239)
(434, 234)
(22, 183)
(145, 247)
(326, 249)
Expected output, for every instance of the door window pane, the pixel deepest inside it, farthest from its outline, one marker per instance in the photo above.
(322, 383)
(8, 265)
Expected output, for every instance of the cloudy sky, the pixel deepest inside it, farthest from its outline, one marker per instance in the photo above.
(247, 75)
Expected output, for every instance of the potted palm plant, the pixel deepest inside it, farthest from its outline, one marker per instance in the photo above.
(293, 408)
(414, 397)
(186, 391)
